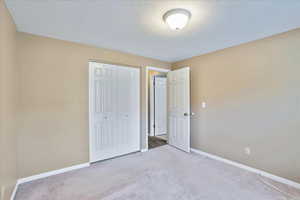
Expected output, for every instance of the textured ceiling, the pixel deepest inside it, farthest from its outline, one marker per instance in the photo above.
(136, 26)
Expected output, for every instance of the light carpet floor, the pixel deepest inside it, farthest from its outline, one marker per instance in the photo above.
(163, 173)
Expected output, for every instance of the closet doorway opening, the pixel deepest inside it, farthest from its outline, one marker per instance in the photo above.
(157, 107)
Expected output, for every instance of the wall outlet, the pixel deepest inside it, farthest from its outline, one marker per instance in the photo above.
(247, 150)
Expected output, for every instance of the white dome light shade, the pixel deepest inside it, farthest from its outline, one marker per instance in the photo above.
(177, 18)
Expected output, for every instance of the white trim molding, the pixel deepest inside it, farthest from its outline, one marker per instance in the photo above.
(251, 169)
(44, 175)
(13, 194)
(51, 173)
(158, 69)
(144, 150)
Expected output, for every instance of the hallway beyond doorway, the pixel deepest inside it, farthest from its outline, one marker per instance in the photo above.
(156, 141)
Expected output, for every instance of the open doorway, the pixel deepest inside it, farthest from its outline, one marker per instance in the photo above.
(175, 129)
(157, 107)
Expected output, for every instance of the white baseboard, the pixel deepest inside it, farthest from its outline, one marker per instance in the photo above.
(12, 197)
(251, 169)
(144, 150)
(51, 173)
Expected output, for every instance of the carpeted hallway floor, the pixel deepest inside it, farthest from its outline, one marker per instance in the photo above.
(163, 173)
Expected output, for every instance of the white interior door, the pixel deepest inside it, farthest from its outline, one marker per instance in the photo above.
(114, 111)
(179, 108)
(160, 99)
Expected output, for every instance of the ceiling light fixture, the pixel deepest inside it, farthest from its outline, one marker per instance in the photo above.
(177, 18)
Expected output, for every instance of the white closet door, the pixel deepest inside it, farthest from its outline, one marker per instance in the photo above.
(160, 105)
(179, 109)
(114, 111)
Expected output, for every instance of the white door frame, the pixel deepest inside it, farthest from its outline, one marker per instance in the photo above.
(90, 89)
(151, 87)
(148, 68)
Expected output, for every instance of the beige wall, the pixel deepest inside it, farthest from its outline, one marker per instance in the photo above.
(53, 130)
(8, 104)
(253, 100)
(252, 93)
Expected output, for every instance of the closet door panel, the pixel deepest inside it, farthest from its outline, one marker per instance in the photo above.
(104, 117)
(128, 115)
(123, 104)
(134, 116)
(114, 111)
